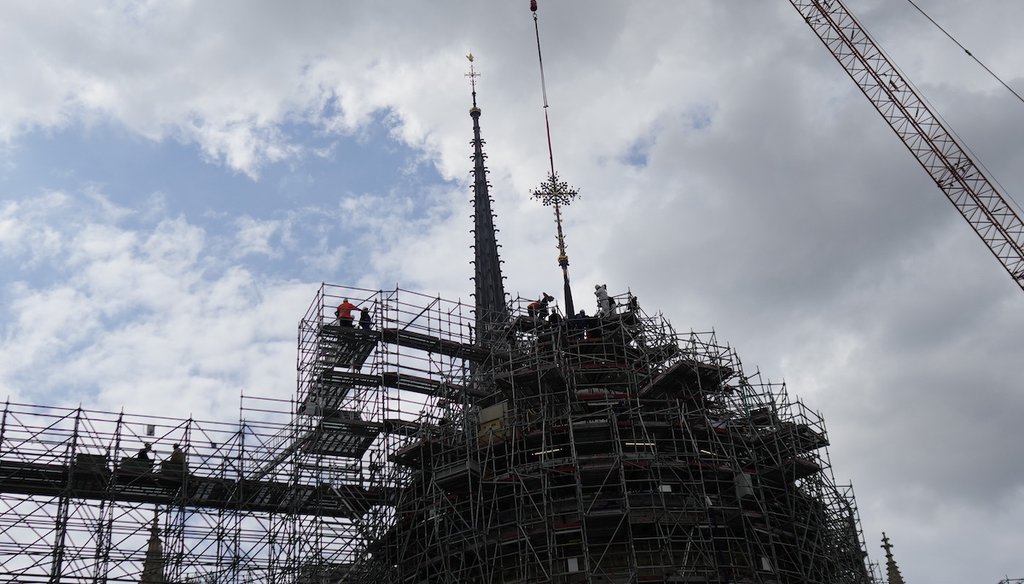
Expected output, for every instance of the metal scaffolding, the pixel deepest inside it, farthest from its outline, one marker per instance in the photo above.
(418, 449)
(78, 504)
(611, 449)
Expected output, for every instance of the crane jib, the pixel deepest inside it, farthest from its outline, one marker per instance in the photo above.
(955, 172)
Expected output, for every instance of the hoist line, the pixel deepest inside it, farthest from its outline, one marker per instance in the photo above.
(965, 50)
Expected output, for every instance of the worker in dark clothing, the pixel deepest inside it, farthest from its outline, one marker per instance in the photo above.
(365, 322)
(633, 305)
(144, 454)
(344, 313)
(578, 325)
(177, 455)
(632, 314)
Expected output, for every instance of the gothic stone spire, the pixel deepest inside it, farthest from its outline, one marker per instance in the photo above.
(892, 570)
(489, 284)
(153, 563)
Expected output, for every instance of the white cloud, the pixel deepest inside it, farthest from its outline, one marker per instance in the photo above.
(18, 240)
(254, 236)
(143, 319)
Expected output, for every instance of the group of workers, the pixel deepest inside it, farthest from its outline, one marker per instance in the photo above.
(606, 305)
(580, 324)
(177, 454)
(538, 309)
(345, 319)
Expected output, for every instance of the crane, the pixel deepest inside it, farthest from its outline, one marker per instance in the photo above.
(977, 197)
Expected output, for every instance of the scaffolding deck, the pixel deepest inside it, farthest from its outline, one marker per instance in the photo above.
(163, 488)
(434, 344)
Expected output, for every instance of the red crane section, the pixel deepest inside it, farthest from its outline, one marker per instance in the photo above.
(975, 196)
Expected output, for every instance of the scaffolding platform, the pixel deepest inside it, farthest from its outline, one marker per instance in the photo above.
(426, 386)
(791, 469)
(532, 379)
(335, 435)
(434, 344)
(688, 376)
(53, 480)
(400, 427)
(343, 380)
(413, 455)
(802, 437)
(459, 477)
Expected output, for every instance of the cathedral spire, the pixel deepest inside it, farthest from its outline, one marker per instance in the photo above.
(891, 569)
(153, 563)
(489, 285)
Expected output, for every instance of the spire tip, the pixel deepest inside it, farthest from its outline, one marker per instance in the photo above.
(472, 79)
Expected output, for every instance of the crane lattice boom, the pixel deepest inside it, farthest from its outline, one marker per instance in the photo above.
(974, 195)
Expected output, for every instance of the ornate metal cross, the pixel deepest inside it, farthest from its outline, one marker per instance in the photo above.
(554, 192)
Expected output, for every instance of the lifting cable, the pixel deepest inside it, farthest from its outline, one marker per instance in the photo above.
(969, 54)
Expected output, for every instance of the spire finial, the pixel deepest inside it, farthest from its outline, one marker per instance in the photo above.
(472, 76)
(891, 569)
(553, 192)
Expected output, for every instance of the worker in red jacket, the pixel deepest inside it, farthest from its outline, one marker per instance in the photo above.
(344, 313)
(539, 307)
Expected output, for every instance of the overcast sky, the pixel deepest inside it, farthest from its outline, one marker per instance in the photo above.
(177, 179)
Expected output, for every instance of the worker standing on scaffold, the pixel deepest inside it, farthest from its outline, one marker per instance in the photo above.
(539, 307)
(177, 455)
(344, 313)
